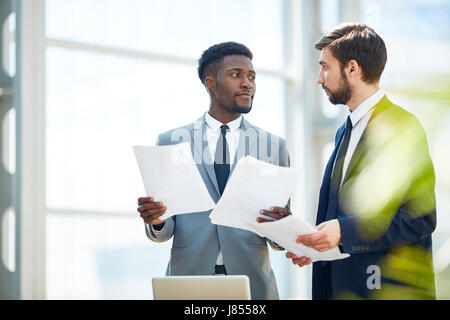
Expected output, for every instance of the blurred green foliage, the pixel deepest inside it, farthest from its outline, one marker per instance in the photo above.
(435, 89)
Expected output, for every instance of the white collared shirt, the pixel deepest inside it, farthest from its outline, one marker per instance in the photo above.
(232, 136)
(213, 134)
(360, 118)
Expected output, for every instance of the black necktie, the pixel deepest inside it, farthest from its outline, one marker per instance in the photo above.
(336, 176)
(222, 159)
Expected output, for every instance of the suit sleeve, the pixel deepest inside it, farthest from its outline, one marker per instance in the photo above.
(169, 226)
(402, 230)
(161, 235)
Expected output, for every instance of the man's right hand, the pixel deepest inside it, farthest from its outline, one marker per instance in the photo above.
(151, 211)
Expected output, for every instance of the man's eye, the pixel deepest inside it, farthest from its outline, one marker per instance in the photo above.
(234, 74)
(252, 77)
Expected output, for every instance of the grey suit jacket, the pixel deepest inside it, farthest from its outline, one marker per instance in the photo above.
(196, 240)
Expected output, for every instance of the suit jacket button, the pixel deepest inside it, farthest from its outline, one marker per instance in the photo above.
(353, 248)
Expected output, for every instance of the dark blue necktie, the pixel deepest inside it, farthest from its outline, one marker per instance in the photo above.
(222, 159)
(336, 176)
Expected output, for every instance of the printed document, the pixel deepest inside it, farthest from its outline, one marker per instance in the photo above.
(256, 185)
(253, 185)
(171, 176)
(285, 233)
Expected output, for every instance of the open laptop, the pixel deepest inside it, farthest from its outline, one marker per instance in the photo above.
(201, 288)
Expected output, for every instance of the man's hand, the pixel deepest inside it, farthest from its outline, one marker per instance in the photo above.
(301, 262)
(276, 213)
(150, 210)
(327, 237)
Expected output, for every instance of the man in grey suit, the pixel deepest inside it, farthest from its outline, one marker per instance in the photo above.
(218, 139)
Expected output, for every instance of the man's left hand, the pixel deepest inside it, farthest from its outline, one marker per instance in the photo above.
(327, 237)
(276, 213)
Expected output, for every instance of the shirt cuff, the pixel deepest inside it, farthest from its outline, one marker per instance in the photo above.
(152, 230)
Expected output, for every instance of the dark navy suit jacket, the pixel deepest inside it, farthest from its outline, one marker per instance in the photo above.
(394, 242)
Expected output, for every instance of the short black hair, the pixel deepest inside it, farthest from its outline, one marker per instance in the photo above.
(211, 57)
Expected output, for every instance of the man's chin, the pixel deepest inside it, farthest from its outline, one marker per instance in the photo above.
(242, 110)
(337, 102)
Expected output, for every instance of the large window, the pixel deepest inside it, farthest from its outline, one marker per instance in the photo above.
(117, 74)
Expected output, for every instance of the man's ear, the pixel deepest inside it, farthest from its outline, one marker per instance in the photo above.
(353, 70)
(210, 84)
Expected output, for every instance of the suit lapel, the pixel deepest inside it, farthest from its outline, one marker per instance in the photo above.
(247, 130)
(202, 155)
(360, 147)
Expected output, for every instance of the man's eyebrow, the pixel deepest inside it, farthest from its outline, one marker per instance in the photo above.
(239, 69)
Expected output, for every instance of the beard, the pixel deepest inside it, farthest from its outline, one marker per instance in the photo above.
(235, 107)
(242, 110)
(342, 94)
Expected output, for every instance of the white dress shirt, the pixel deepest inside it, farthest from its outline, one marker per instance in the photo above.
(232, 136)
(360, 118)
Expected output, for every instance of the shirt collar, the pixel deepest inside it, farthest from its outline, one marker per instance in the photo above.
(215, 124)
(366, 106)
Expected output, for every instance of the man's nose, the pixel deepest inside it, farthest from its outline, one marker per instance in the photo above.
(247, 84)
(320, 78)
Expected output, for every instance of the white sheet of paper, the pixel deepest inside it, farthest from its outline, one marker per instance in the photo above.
(170, 175)
(253, 185)
(285, 233)
(256, 185)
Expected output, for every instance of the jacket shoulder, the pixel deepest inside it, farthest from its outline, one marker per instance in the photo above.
(176, 135)
(401, 119)
(270, 136)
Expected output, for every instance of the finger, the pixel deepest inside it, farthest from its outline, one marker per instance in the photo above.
(321, 226)
(302, 264)
(153, 218)
(304, 260)
(149, 206)
(142, 200)
(154, 212)
(300, 261)
(262, 220)
(322, 248)
(311, 245)
(311, 238)
(316, 245)
(145, 199)
(305, 263)
(272, 214)
(291, 255)
(280, 210)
